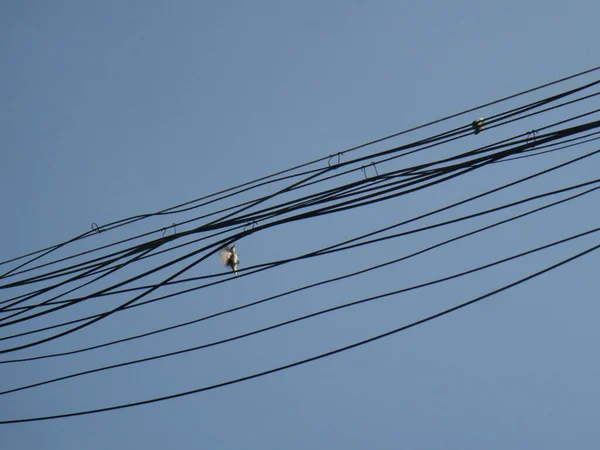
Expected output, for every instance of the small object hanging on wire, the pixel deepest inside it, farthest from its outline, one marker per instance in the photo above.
(532, 136)
(478, 125)
(230, 258)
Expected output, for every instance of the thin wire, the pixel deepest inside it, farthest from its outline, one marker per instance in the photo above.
(544, 101)
(346, 205)
(47, 250)
(301, 318)
(316, 357)
(381, 179)
(441, 209)
(320, 283)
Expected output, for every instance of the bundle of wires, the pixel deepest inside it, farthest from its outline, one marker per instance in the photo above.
(115, 269)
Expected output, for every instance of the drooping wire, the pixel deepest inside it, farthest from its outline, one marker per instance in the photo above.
(316, 357)
(338, 278)
(44, 252)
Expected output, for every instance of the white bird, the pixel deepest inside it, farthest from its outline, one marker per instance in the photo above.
(230, 258)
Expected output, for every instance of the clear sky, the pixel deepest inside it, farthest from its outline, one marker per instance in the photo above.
(114, 108)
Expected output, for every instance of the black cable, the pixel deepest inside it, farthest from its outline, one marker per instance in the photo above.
(551, 150)
(369, 242)
(375, 195)
(301, 318)
(540, 102)
(320, 283)
(526, 145)
(317, 357)
(100, 229)
(380, 179)
(352, 204)
(450, 206)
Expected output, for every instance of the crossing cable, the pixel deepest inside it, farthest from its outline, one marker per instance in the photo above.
(43, 252)
(582, 127)
(301, 318)
(256, 216)
(313, 358)
(391, 237)
(575, 141)
(320, 283)
(526, 107)
(556, 167)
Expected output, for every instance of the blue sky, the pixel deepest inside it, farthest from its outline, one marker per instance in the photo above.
(116, 108)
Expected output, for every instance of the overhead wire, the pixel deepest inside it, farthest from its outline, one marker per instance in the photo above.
(255, 218)
(233, 223)
(338, 278)
(103, 228)
(478, 196)
(301, 318)
(316, 357)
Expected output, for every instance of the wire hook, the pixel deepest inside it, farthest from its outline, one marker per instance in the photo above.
(532, 136)
(165, 229)
(339, 158)
(364, 170)
(375, 167)
(251, 225)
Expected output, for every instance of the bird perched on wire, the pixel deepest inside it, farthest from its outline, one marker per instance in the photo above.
(477, 125)
(229, 257)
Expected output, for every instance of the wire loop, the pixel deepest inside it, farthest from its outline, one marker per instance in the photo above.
(165, 229)
(250, 225)
(532, 136)
(339, 158)
(364, 170)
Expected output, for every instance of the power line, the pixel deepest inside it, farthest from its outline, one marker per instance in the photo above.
(43, 252)
(314, 358)
(354, 202)
(319, 253)
(264, 300)
(323, 251)
(324, 192)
